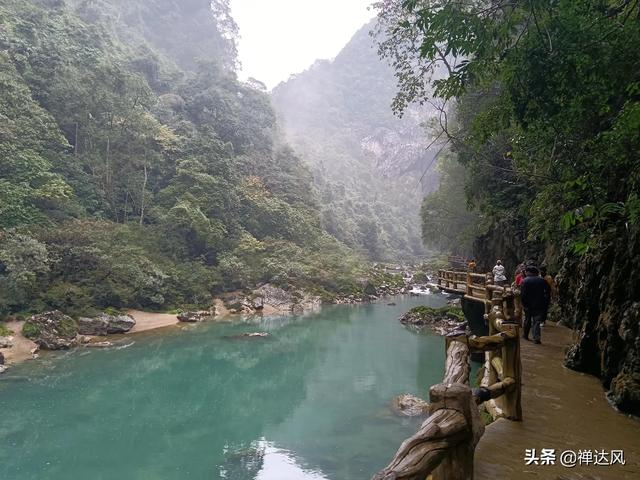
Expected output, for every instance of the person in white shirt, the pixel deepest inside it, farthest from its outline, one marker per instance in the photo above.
(499, 276)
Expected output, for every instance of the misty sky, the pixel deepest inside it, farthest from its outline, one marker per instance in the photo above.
(283, 37)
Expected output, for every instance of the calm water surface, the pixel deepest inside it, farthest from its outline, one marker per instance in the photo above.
(311, 402)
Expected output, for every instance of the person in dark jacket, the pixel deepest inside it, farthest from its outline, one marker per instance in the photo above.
(552, 290)
(535, 295)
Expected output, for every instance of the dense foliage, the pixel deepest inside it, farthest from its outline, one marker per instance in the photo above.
(541, 103)
(136, 170)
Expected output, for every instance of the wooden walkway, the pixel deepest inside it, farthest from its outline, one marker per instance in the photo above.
(536, 402)
(563, 410)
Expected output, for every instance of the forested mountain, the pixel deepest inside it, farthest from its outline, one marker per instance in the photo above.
(366, 162)
(136, 170)
(543, 118)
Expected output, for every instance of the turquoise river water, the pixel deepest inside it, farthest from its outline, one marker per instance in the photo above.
(310, 402)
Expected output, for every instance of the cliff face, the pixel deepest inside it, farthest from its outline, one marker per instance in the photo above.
(599, 296)
(505, 241)
(368, 165)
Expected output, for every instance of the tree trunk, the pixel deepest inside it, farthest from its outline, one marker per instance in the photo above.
(144, 187)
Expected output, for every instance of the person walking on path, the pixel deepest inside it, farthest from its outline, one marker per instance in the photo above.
(550, 281)
(472, 265)
(499, 276)
(552, 290)
(519, 275)
(535, 295)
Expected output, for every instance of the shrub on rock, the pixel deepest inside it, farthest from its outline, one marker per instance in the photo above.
(51, 330)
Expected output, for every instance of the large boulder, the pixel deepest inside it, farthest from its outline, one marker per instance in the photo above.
(105, 324)
(119, 323)
(238, 302)
(52, 330)
(271, 299)
(5, 342)
(93, 326)
(192, 317)
(274, 296)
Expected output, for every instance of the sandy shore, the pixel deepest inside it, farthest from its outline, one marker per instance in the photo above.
(145, 321)
(150, 321)
(221, 310)
(22, 346)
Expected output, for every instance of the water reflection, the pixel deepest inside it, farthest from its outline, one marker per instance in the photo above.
(312, 401)
(263, 461)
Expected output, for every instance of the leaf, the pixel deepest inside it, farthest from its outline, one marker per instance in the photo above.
(612, 209)
(580, 248)
(568, 220)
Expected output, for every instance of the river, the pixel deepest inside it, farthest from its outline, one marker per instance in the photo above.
(310, 402)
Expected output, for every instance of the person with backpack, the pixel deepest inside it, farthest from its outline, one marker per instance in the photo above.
(535, 295)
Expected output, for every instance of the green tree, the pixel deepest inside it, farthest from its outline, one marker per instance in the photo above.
(24, 261)
(542, 90)
(29, 139)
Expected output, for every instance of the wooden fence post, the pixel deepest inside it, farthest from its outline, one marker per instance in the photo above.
(458, 461)
(488, 295)
(508, 306)
(512, 366)
(445, 443)
(517, 309)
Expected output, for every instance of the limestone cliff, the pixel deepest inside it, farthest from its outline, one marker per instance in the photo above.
(599, 296)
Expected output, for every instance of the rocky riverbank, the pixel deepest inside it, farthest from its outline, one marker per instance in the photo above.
(55, 330)
(269, 300)
(443, 320)
(370, 294)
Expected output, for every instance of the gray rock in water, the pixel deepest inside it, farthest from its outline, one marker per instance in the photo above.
(99, 345)
(52, 330)
(5, 342)
(3, 368)
(191, 317)
(93, 326)
(410, 405)
(118, 323)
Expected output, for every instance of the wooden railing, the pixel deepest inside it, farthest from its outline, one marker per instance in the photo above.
(444, 445)
(479, 287)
